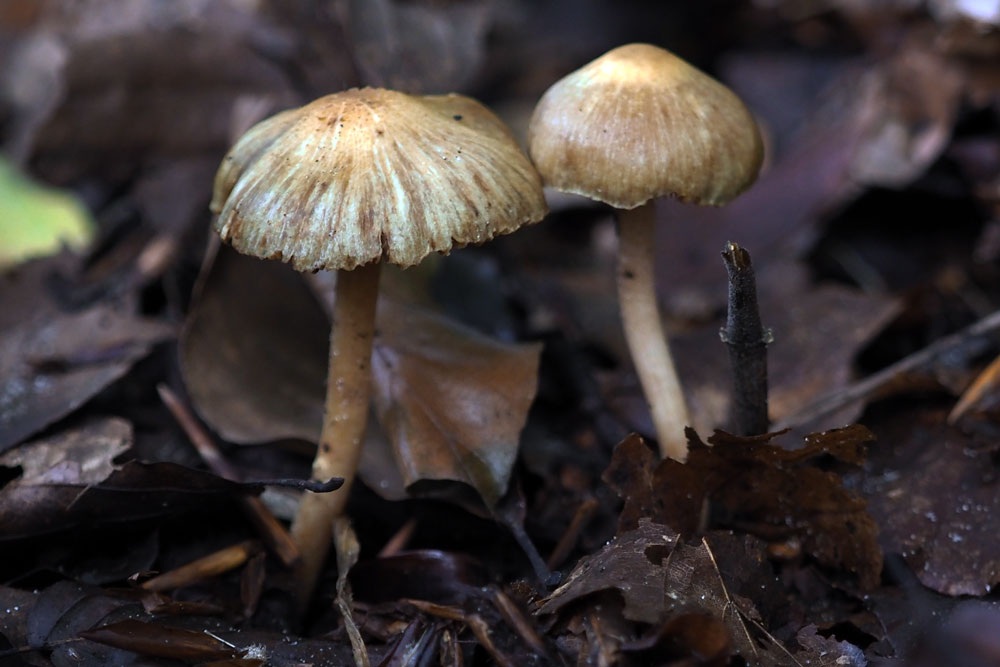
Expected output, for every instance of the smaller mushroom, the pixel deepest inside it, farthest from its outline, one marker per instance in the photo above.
(635, 124)
(343, 183)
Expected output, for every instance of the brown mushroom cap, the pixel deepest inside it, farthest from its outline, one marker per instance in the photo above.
(368, 173)
(639, 123)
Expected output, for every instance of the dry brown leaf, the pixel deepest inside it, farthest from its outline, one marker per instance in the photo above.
(253, 352)
(759, 487)
(418, 47)
(452, 401)
(70, 479)
(659, 578)
(933, 491)
(52, 362)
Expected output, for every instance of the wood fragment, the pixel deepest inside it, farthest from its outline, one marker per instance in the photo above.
(747, 341)
(984, 383)
(203, 568)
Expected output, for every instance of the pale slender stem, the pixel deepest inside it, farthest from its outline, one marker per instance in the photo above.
(348, 391)
(644, 334)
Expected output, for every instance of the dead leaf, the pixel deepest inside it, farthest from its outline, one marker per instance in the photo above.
(419, 47)
(759, 487)
(632, 564)
(829, 651)
(348, 549)
(56, 615)
(138, 80)
(253, 352)
(933, 492)
(161, 641)
(452, 401)
(52, 362)
(685, 635)
(438, 576)
(909, 106)
(69, 480)
(660, 576)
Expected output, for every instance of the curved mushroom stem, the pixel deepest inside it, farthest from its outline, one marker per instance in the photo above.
(644, 334)
(348, 392)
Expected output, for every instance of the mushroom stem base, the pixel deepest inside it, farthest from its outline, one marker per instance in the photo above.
(348, 393)
(644, 333)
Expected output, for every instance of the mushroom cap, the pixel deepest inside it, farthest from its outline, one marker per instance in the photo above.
(639, 123)
(366, 174)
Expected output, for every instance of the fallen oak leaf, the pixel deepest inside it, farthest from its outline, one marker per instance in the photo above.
(660, 578)
(761, 488)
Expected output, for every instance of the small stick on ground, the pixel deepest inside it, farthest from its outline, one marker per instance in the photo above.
(203, 568)
(572, 534)
(747, 341)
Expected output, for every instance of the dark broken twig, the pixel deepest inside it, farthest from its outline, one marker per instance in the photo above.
(747, 341)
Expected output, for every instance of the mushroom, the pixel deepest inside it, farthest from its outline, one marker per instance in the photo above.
(343, 183)
(635, 124)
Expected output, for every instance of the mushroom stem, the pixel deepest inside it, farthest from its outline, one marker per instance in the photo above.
(348, 392)
(644, 333)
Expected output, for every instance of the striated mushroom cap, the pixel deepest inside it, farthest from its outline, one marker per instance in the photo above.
(367, 174)
(639, 123)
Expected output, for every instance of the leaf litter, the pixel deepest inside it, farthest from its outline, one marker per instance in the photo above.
(889, 138)
(451, 401)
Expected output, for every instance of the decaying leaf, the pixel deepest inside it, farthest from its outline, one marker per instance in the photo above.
(56, 615)
(70, 480)
(659, 576)
(452, 401)
(137, 80)
(160, 640)
(908, 107)
(53, 362)
(933, 492)
(437, 576)
(830, 651)
(253, 352)
(759, 487)
(418, 47)
(632, 563)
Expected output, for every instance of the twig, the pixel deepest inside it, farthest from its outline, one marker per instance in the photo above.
(203, 568)
(517, 620)
(984, 383)
(569, 538)
(747, 341)
(398, 541)
(274, 534)
(833, 401)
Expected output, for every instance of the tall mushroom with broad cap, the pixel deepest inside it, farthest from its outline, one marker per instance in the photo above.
(344, 183)
(635, 124)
